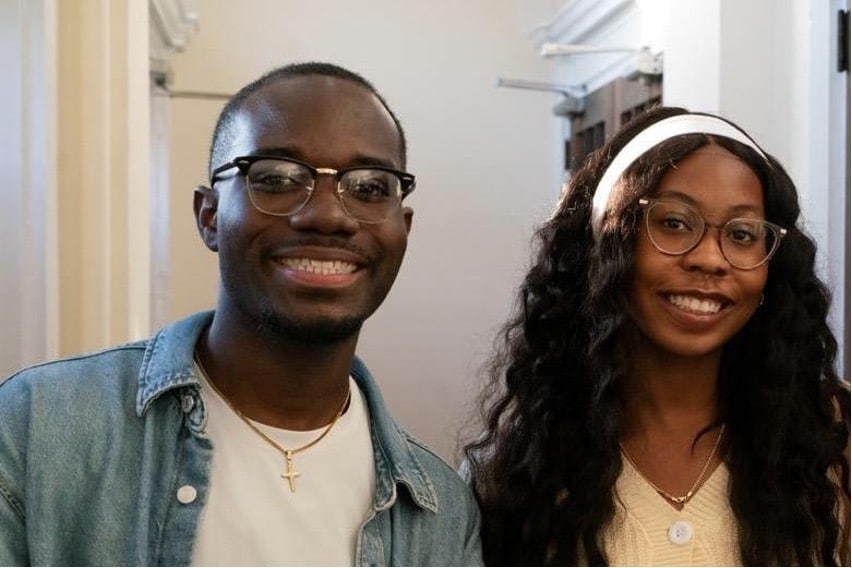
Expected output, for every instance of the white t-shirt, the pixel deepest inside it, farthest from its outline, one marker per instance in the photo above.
(252, 518)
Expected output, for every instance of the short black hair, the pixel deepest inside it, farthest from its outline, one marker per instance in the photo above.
(223, 131)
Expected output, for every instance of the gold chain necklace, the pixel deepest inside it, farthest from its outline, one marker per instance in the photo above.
(290, 474)
(682, 499)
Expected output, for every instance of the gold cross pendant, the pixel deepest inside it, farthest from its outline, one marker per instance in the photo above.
(290, 475)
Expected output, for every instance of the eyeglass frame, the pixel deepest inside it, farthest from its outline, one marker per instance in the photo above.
(243, 163)
(647, 202)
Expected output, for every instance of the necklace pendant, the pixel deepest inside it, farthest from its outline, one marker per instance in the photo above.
(680, 501)
(290, 475)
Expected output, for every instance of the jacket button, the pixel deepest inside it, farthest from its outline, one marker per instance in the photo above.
(187, 403)
(680, 533)
(187, 494)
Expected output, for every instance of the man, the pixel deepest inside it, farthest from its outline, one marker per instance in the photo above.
(252, 434)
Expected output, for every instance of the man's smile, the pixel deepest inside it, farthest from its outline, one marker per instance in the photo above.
(316, 266)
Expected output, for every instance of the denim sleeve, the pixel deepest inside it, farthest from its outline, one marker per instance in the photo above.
(13, 537)
(473, 542)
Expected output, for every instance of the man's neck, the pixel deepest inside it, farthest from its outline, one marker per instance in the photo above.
(274, 379)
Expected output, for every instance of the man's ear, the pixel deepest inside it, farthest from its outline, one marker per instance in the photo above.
(408, 217)
(205, 204)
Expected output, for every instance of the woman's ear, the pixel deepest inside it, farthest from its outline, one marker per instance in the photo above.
(205, 205)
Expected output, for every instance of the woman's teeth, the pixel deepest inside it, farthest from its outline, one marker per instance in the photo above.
(695, 305)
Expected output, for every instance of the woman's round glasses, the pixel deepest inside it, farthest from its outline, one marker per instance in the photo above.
(676, 228)
(283, 186)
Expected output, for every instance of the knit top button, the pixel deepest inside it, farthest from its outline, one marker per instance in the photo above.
(186, 494)
(680, 533)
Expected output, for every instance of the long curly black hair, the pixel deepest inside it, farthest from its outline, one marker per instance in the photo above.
(545, 467)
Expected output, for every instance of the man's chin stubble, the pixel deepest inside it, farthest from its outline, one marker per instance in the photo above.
(317, 332)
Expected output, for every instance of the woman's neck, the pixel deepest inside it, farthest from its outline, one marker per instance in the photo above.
(664, 391)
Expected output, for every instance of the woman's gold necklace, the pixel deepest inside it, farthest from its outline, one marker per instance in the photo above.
(290, 474)
(682, 499)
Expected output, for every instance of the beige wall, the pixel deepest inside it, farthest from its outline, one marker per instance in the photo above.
(192, 273)
(487, 162)
(75, 194)
(102, 92)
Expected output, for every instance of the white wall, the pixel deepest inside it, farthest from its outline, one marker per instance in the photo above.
(773, 71)
(487, 159)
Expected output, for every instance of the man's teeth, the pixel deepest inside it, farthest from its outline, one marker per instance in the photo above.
(320, 266)
(695, 305)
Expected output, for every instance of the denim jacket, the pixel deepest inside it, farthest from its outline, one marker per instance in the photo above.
(104, 461)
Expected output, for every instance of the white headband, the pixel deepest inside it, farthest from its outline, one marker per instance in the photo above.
(650, 137)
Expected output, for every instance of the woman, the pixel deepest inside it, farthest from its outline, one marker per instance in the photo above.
(666, 392)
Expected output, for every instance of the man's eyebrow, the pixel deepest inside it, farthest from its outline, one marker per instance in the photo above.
(365, 160)
(296, 154)
(281, 151)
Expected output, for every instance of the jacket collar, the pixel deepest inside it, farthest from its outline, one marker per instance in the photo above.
(396, 463)
(168, 360)
(168, 365)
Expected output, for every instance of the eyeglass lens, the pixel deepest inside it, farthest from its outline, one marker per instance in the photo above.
(281, 187)
(676, 228)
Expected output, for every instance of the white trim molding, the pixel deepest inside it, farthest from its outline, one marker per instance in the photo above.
(578, 20)
(172, 22)
(593, 27)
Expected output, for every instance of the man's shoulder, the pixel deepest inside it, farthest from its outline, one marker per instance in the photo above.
(56, 394)
(107, 366)
(86, 367)
(77, 400)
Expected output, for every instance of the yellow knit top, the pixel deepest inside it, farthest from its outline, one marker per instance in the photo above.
(647, 531)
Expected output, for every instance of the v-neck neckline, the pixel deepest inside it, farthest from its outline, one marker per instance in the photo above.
(718, 474)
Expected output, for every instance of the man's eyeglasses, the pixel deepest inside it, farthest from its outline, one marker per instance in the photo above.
(283, 186)
(676, 228)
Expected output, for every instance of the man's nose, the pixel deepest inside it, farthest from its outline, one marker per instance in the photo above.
(324, 210)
